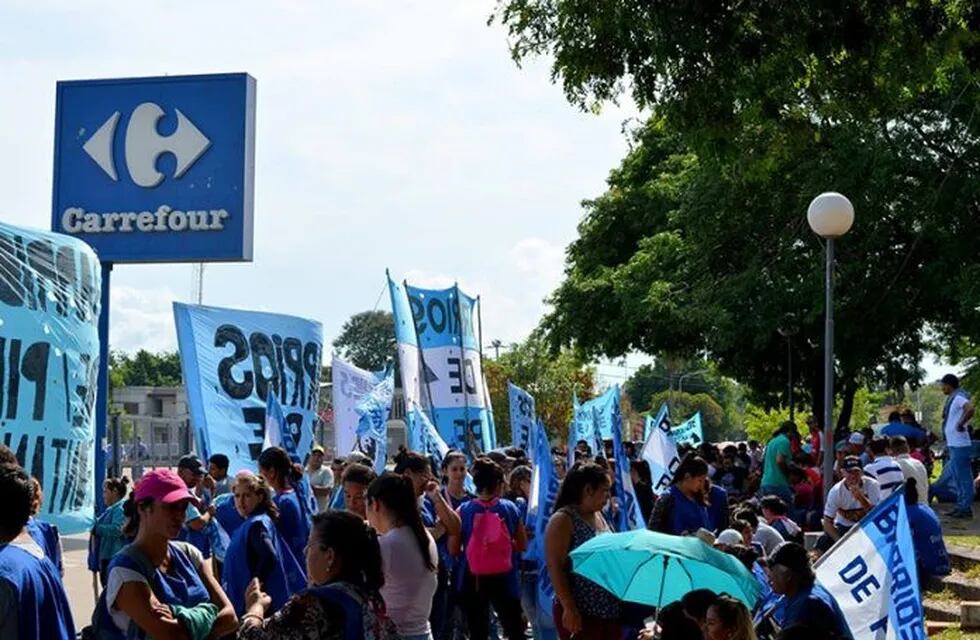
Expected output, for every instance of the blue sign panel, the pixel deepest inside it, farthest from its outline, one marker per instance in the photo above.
(157, 169)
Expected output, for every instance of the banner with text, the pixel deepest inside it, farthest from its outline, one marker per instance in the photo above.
(372, 428)
(545, 484)
(521, 417)
(231, 361)
(689, 432)
(440, 361)
(660, 450)
(50, 292)
(350, 385)
(629, 516)
(871, 573)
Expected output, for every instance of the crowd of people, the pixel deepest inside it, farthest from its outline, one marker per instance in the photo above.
(418, 552)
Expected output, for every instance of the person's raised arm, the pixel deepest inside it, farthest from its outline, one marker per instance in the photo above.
(448, 517)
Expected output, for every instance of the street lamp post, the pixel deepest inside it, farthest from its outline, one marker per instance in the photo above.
(830, 215)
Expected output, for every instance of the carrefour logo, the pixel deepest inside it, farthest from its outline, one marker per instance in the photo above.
(143, 145)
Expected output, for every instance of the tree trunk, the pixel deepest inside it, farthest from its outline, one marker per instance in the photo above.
(849, 389)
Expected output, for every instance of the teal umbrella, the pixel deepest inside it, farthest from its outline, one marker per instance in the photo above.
(656, 569)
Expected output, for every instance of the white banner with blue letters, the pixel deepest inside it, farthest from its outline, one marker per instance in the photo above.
(50, 288)
(660, 450)
(440, 362)
(350, 385)
(231, 360)
(871, 573)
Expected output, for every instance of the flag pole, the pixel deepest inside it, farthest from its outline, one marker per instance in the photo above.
(462, 361)
(418, 345)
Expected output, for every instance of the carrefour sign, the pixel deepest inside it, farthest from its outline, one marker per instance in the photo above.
(157, 169)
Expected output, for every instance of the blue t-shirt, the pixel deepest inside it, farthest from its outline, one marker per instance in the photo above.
(927, 539)
(36, 594)
(814, 608)
(428, 509)
(511, 516)
(199, 537)
(46, 536)
(686, 516)
(292, 524)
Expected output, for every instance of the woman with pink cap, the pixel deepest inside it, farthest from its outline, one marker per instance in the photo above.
(158, 586)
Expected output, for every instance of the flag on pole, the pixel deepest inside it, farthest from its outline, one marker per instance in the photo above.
(522, 415)
(372, 426)
(629, 516)
(541, 503)
(278, 433)
(871, 574)
(660, 451)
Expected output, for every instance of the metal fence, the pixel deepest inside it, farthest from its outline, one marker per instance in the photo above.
(137, 443)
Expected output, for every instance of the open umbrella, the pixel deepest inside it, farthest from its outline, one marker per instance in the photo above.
(656, 569)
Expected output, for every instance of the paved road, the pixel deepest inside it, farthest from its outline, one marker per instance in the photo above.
(78, 579)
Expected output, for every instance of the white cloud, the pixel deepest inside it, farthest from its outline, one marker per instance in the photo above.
(141, 318)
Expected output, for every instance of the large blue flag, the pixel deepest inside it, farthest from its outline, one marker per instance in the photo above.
(629, 516)
(689, 432)
(871, 573)
(372, 427)
(441, 366)
(544, 492)
(522, 416)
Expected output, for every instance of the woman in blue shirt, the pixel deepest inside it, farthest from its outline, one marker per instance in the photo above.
(281, 474)
(109, 527)
(257, 550)
(681, 510)
(927, 535)
(488, 513)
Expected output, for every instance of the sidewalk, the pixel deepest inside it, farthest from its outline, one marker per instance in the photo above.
(78, 579)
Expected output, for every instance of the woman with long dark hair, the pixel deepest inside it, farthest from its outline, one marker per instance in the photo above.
(158, 586)
(282, 475)
(490, 539)
(728, 619)
(681, 510)
(257, 550)
(408, 553)
(583, 609)
(343, 561)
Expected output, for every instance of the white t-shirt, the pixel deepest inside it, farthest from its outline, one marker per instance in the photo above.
(118, 576)
(912, 468)
(409, 586)
(768, 537)
(841, 498)
(888, 473)
(956, 438)
(322, 477)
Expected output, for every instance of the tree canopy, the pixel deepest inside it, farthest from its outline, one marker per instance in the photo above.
(367, 340)
(700, 244)
(144, 369)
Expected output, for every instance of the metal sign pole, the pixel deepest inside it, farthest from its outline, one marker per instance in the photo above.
(102, 391)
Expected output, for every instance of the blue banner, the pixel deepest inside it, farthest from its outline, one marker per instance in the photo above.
(586, 427)
(544, 492)
(441, 367)
(871, 574)
(629, 516)
(660, 451)
(372, 428)
(50, 292)
(521, 417)
(232, 360)
(424, 438)
(279, 432)
(689, 432)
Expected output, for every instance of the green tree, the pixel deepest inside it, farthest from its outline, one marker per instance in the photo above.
(367, 340)
(684, 405)
(700, 244)
(550, 378)
(761, 423)
(144, 369)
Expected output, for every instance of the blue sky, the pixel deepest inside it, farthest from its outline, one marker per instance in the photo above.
(395, 135)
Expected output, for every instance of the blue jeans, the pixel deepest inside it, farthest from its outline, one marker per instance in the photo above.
(956, 477)
(542, 623)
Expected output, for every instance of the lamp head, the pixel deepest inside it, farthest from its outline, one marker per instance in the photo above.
(830, 215)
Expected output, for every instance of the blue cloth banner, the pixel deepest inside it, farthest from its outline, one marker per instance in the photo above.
(871, 574)
(372, 428)
(440, 361)
(279, 432)
(544, 492)
(232, 360)
(660, 451)
(586, 427)
(689, 432)
(663, 416)
(521, 417)
(424, 438)
(350, 385)
(50, 293)
(629, 516)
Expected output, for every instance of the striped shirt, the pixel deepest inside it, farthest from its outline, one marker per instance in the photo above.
(888, 473)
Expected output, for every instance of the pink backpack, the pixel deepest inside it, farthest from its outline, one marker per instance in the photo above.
(489, 549)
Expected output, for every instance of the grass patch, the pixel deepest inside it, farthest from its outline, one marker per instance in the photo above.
(963, 541)
(973, 573)
(946, 595)
(956, 634)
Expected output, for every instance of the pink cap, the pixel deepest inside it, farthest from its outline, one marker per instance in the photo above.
(163, 485)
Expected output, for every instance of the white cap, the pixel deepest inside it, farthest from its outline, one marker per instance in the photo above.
(729, 537)
(856, 438)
